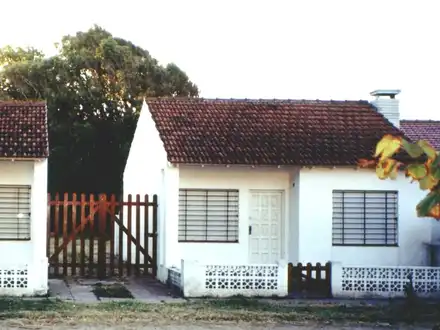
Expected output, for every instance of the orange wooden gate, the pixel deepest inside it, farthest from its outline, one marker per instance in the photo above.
(97, 236)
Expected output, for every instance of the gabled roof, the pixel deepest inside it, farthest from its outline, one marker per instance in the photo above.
(428, 130)
(268, 132)
(23, 130)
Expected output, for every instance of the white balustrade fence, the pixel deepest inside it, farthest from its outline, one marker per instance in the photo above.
(201, 280)
(383, 282)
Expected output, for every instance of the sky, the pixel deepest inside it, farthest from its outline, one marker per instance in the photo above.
(314, 49)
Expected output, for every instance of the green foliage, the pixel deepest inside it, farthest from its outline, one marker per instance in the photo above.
(425, 169)
(94, 88)
(10, 55)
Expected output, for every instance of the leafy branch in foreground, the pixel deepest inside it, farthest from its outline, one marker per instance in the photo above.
(425, 169)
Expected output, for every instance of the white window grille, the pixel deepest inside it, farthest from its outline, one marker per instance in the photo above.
(208, 215)
(15, 212)
(365, 218)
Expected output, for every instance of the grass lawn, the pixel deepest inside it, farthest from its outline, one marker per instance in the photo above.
(115, 290)
(48, 312)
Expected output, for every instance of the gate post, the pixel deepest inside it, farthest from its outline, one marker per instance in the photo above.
(102, 214)
(155, 219)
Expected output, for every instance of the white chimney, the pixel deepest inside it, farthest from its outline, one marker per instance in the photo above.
(386, 103)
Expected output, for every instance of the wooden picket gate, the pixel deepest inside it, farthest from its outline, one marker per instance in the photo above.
(82, 234)
(313, 281)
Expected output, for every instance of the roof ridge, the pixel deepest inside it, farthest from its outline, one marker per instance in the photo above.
(419, 121)
(251, 100)
(23, 103)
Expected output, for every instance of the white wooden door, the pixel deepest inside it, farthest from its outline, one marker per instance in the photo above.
(265, 223)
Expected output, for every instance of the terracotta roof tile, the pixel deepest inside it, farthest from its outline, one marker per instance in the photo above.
(268, 132)
(23, 130)
(428, 130)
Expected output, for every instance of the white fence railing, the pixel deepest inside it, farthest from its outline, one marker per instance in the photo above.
(201, 280)
(384, 282)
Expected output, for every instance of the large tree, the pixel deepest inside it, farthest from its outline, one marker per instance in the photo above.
(94, 87)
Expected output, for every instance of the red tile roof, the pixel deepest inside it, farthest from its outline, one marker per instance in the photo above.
(268, 132)
(23, 130)
(428, 130)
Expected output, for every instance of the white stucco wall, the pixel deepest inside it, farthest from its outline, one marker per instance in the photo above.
(16, 173)
(31, 254)
(146, 159)
(168, 226)
(315, 219)
(308, 215)
(293, 220)
(242, 178)
(39, 278)
(144, 174)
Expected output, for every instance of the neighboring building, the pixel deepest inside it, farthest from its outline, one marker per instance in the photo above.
(23, 198)
(258, 181)
(428, 130)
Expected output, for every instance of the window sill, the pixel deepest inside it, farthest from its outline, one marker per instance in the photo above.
(367, 245)
(14, 239)
(223, 242)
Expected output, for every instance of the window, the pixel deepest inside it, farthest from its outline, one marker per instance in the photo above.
(15, 212)
(208, 215)
(365, 218)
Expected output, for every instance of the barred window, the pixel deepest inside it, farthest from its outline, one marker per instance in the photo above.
(365, 218)
(208, 215)
(15, 212)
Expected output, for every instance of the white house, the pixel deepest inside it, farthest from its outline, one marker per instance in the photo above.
(259, 181)
(23, 198)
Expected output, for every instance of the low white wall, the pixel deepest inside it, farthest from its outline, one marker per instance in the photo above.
(383, 282)
(217, 280)
(20, 279)
(315, 219)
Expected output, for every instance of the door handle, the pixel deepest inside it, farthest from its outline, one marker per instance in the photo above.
(250, 230)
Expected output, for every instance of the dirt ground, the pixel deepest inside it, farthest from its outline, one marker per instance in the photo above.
(11, 324)
(214, 314)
